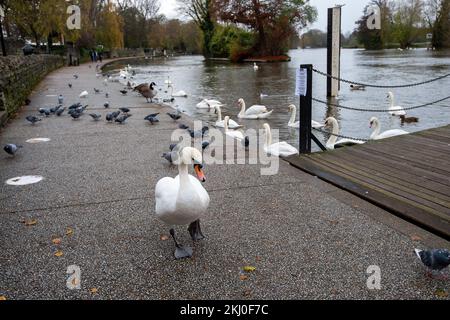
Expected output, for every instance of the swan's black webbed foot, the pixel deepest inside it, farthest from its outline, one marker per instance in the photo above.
(181, 252)
(195, 231)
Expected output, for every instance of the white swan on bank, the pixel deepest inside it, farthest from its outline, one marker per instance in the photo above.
(221, 123)
(255, 67)
(235, 134)
(208, 104)
(183, 200)
(376, 135)
(84, 94)
(333, 142)
(253, 113)
(393, 109)
(280, 149)
(296, 124)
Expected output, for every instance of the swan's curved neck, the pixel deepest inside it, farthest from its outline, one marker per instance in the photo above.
(225, 125)
(376, 130)
(268, 137)
(334, 131)
(242, 108)
(293, 116)
(392, 99)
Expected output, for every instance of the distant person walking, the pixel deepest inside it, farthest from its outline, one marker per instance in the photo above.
(91, 54)
(100, 58)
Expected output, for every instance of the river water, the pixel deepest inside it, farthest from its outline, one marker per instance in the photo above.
(228, 82)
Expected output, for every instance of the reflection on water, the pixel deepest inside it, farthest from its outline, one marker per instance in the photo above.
(228, 82)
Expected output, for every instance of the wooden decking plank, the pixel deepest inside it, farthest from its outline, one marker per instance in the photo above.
(397, 206)
(389, 187)
(404, 179)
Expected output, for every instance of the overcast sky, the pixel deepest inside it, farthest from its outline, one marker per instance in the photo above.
(351, 12)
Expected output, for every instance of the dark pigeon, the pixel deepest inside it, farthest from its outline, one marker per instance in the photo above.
(75, 106)
(168, 157)
(70, 85)
(75, 76)
(435, 260)
(97, 91)
(246, 142)
(11, 148)
(121, 119)
(60, 111)
(198, 134)
(96, 116)
(109, 117)
(75, 115)
(152, 120)
(205, 145)
(124, 110)
(33, 119)
(183, 127)
(106, 105)
(124, 92)
(153, 115)
(45, 111)
(174, 116)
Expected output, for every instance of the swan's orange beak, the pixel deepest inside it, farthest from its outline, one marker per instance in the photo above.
(199, 172)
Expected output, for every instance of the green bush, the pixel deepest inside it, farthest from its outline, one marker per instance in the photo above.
(231, 42)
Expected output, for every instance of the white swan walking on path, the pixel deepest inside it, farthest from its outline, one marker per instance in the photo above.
(393, 109)
(296, 124)
(377, 135)
(183, 200)
(280, 149)
(333, 142)
(254, 112)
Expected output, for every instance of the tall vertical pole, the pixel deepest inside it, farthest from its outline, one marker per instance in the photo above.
(334, 50)
(306, 111)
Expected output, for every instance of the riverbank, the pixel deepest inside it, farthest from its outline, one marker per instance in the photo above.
(95, 209)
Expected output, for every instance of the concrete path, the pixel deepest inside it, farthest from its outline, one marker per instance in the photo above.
(306, 239)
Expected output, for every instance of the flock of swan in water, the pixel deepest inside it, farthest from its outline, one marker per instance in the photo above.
(184, 201)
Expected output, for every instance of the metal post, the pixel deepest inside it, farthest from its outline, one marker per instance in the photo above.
(306, 112)
(2, 40)
(334, 50)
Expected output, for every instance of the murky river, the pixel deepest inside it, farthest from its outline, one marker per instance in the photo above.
(228, 82)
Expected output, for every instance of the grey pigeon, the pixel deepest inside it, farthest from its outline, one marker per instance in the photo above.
(116, 114)
(33, 119)
(173, 146)
(54, 109)
(96, 116)
(198, 134)
(107, 95)
(124, 92)
(97, 91)
(75, 76)
(183, 127)
(11, 148)
(106, 105)
(174, 116)
(434, 260)
(168, 157)
(152, 120)
(45, 111)
(205, 145)
(70, 85)
(124, 110)
(60, 111)
(168, 100)
(75, 115)
(75, 106)
(153, 115)
(109, 117)
(121, 119)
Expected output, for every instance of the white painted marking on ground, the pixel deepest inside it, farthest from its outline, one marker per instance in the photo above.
(38, 140)
(25, 180)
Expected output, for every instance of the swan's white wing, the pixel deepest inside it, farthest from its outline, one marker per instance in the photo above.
(202, 194)
(256, 110)
(203, 105)
(295, 125)
(281, 149)
(397, 111)
(347, 142)
(390, 134)
(316, 125)
(236, 135)
(165, 197)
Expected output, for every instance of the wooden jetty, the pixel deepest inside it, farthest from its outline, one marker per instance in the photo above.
(406, 175)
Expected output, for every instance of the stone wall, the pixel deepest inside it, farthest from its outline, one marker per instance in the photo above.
(19, 75)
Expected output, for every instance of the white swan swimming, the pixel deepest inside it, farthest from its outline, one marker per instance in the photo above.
(183, 200)
(395, 110)
(376, 135)
(180, 93)
(235, 134)
(221, 123)
(253, 113)
(296, 124)
(280, 149)
(333, 143)
(255, 67)
(208, 104)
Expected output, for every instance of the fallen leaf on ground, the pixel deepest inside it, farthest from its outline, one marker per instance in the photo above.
(416, 238)
(69, 231)
(56, 241)
(249, 269)
(243, 277)
(258, 258)
(93, 290)
(58, 254)
(441, 293)
(29, 223)
(164, 237)
(2, 298)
